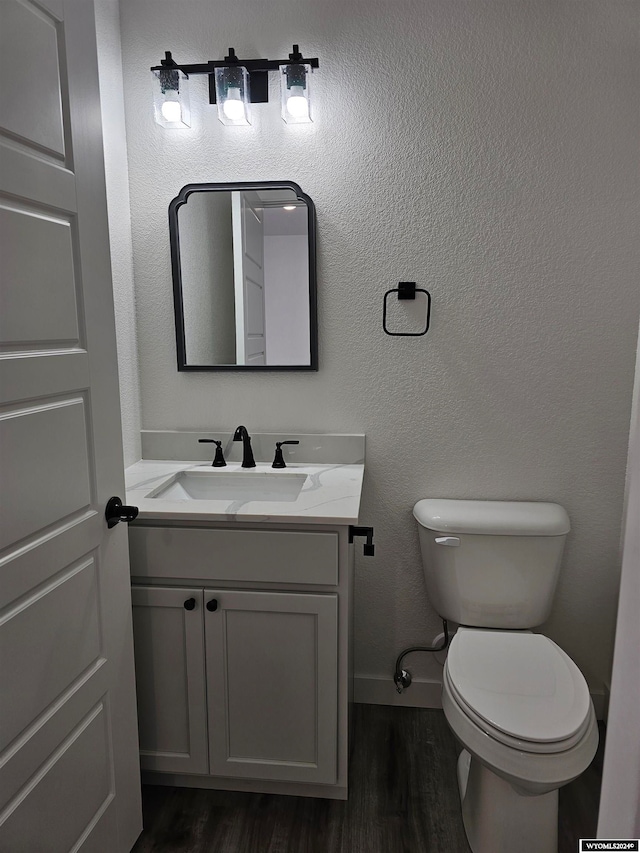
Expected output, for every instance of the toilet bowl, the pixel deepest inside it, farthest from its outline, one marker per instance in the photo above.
(522, 711)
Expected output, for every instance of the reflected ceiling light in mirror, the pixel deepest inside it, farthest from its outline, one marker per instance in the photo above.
(171, 95)
(234, 84)
(294, 88)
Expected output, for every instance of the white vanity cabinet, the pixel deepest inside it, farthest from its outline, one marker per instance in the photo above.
(242, 643)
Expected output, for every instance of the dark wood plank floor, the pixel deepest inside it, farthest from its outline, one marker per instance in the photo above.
(403, 799)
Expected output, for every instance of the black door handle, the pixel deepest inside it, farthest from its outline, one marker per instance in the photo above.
(116, 512)
(190, 604)
(212, 605)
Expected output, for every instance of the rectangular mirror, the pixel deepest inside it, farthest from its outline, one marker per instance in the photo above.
(244, 277)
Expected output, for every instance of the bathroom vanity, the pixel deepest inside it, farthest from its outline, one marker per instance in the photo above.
(242, 623)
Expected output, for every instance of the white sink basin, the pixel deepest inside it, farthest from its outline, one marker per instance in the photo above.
(214, 485)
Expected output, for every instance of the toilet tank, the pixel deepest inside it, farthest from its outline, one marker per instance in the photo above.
(491, 564)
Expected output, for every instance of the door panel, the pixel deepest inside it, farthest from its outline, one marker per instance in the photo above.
(46, 643)
(44, 278)
(293, 635)
(25, 758)
(50, 817)
(32, 178)
(69, 774)
(24, 379)
(272, 670)
(170, 679)
(253, 272)
(44, 461)
(248, 261)
(30, 96)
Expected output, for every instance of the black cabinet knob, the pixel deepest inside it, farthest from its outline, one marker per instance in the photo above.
(190, 604)
(212, 605)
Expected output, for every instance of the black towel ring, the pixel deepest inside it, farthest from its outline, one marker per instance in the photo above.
(406, 290)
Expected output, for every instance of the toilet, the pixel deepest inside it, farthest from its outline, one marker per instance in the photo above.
(517, 703)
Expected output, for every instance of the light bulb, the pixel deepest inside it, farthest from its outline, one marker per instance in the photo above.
(170, 97)
(233, 106)
(171, 111)
(297, 104)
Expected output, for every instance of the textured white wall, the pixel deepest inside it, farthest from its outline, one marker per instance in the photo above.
(117, 183)
(488, 151)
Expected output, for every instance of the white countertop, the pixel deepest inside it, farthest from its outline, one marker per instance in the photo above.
(330, 495)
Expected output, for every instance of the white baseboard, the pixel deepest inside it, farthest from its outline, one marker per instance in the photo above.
(600, 701)
(374, 690)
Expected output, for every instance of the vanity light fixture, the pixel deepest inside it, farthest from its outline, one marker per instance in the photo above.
(171, 95)
(234, 84)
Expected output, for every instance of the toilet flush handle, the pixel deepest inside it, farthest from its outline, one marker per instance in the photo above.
(451, 541)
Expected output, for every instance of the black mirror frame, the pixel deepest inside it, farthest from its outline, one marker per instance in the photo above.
(176, 270)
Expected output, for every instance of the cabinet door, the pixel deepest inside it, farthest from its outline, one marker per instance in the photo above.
(170, 682)
(272, 684)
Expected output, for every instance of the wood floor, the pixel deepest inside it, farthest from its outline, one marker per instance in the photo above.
(403, 799)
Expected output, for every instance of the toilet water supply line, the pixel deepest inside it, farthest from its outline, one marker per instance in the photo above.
(402, 677)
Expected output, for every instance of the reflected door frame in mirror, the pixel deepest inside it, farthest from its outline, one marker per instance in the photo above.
(177, 273)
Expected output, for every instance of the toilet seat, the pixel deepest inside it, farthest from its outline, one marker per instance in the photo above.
(520, 688)
(513, 742)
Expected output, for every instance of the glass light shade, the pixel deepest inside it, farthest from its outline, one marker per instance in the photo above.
(294, 88)
(171, 98)
(232, 95)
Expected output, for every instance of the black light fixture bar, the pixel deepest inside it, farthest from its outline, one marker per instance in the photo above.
(257, 69)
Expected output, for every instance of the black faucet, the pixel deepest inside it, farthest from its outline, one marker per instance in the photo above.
(242, 435)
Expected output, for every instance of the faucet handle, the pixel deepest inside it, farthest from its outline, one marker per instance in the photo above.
(218, 461)
(278, 461)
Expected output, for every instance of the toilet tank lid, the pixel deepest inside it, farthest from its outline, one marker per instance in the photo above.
(506, 518)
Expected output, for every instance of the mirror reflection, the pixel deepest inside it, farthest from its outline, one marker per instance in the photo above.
(244, 276)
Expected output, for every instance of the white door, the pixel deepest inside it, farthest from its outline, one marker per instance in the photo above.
(69, 775)
(619, 815)
(248, 261)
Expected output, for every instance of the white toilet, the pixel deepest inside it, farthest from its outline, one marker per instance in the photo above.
(518, 704)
